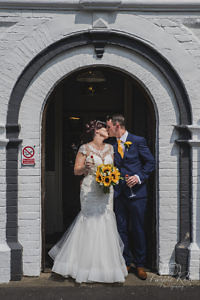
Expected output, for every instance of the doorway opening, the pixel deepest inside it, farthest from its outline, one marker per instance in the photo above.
(88, 94)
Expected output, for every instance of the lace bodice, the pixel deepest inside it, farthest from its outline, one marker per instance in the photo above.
(99, 156)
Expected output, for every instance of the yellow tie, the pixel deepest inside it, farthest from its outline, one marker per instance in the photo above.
(120, 149)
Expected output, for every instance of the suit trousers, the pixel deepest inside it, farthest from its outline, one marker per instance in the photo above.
(131, 213)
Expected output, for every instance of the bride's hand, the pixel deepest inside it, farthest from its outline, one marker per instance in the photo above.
(82, 166)
(88, 166)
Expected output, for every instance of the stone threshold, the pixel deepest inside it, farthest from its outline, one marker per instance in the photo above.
(55, 280)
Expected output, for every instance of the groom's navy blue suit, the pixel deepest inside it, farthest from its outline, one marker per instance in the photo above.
(137, 160)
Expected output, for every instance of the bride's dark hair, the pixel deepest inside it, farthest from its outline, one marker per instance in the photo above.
(90, 128)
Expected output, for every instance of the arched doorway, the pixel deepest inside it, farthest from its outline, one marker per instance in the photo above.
(24, 119)
(71, 104)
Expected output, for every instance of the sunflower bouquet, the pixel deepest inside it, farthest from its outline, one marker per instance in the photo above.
(107, 175)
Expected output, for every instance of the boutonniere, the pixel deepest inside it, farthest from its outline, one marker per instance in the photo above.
(127, 145)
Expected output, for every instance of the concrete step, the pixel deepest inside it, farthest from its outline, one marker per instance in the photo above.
(53, 286)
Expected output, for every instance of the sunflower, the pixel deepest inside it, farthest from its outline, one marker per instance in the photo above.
(106, 169)
(127, 145)
(107, 180)
(115, 176)
(100, 167)
(99, 178)
(107, 175)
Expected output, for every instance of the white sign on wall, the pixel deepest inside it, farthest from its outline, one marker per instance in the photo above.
(28, 153)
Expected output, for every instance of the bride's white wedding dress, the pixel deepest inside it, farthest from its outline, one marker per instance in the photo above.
(91, 249)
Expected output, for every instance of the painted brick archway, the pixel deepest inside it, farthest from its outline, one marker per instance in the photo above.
(106, 46)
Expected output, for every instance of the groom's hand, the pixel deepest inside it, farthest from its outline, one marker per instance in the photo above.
(132, 180)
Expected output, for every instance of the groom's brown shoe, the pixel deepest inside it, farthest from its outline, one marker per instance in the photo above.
(128, 268)
(141, 273)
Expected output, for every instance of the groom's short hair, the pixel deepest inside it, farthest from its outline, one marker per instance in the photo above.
(117, 118)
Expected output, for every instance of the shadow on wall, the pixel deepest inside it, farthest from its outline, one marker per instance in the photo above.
(175, 152)
(99, 20)
(198, 186)
(198, 192)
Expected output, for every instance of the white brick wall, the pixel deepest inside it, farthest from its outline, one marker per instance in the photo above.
(4, 249)
(24, 34)
(186, 30)
(52, 27)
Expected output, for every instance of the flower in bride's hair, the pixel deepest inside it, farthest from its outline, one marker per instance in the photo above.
(90, 126)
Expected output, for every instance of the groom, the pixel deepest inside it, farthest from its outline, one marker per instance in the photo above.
(132, 157)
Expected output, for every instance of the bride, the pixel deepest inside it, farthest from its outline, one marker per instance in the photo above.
(91, 249)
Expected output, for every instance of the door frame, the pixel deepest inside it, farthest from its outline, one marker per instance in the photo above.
(58, 164)
(127, 102)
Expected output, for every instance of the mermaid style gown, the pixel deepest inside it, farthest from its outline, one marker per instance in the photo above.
(91, 249)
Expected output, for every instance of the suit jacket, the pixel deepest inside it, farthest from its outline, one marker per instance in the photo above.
(137, 160)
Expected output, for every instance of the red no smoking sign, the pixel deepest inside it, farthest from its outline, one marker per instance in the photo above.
(28, 153)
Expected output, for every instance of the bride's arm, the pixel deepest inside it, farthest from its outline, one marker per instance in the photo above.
(79, 166)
